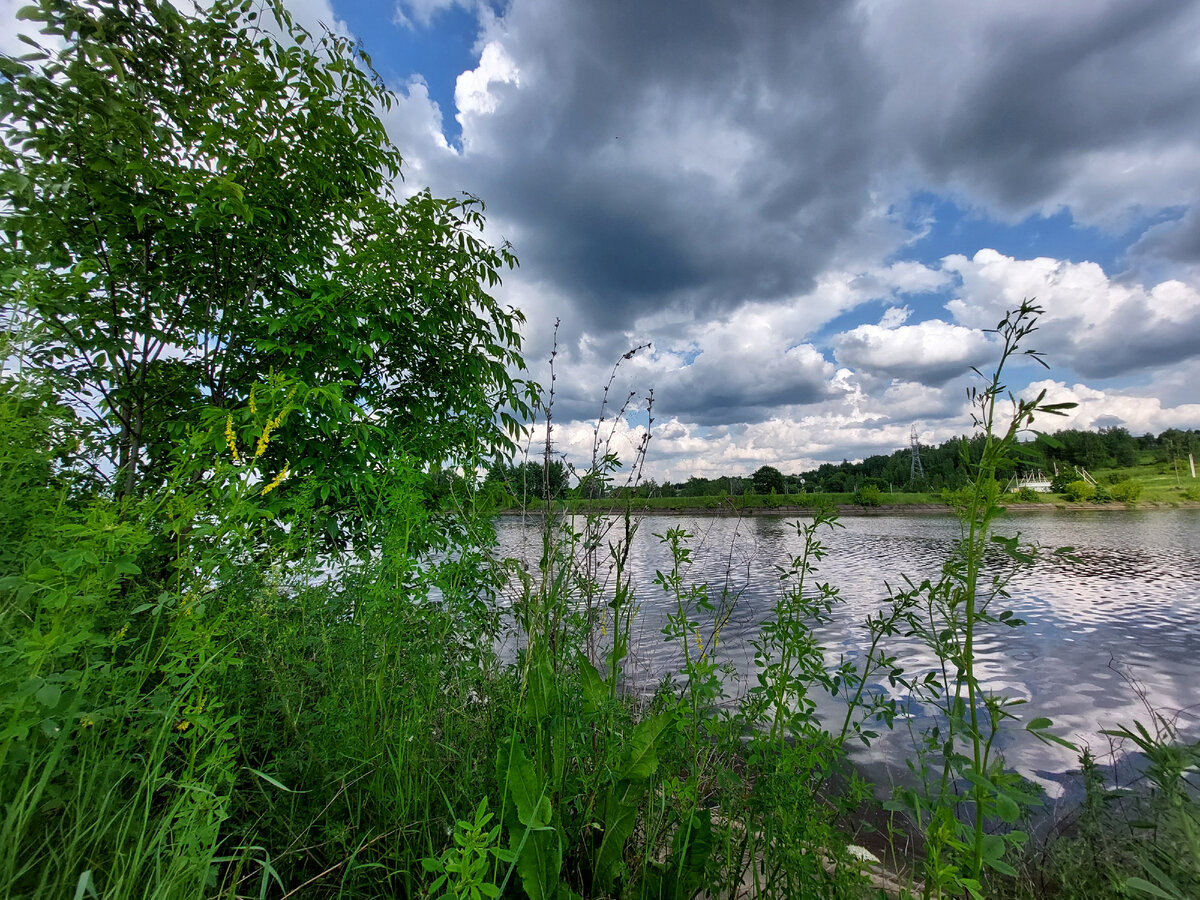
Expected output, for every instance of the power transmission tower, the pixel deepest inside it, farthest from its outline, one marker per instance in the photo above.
(918, 470)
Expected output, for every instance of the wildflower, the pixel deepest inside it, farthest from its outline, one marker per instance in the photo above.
(276, 481)
(86, 721)
(120, 634)
(231, 438)
(253, 407)
(265, 439)
(183, 725)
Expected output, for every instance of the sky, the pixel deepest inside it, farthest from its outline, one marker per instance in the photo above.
(814, 211)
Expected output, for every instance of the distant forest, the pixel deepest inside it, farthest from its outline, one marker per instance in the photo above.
(943, 467)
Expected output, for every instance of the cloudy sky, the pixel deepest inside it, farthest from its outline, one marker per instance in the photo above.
(814, 210)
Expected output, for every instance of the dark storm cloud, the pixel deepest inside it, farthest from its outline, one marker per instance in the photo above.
(702, 155)
(1011, 103)
(711, 399)
(663, 167)
(1168, 246)
(652, 155)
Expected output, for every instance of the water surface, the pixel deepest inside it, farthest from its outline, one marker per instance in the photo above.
(1108, 637)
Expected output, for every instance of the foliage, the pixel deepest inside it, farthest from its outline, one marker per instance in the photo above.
(1126, 491)
(116, 757)
(868, 495)
(462, 871)
(1058, 484)
(1134, 839)
(949, 615)
(768, 480)
(1078, 491)
(193, 202)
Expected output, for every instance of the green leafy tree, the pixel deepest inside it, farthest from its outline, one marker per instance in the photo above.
(191, 202)
(767, 479)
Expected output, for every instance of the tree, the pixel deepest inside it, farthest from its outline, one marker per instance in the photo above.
(191, 203)
(768, 479)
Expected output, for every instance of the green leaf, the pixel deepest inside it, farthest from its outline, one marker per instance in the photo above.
(641, 756)
(543, 692)
(273, 782)
(618, 815)
(525, 788)
(1146, 887)
(993, 846)
(85, 886)
(1007, 808)
(595, 688)
(48, 695)
(1001, 866)
(540, 863)
(979, 780)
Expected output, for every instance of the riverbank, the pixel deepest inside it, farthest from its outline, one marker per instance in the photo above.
(734, 509)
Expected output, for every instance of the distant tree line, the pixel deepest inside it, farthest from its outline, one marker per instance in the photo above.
(943, 468)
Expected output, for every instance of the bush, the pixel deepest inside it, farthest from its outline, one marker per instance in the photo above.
(1079, 491)
(868, 495)
(1126, 491)
(1058, 485)
(1117, 477)
(1192, 493)
(1029, 495)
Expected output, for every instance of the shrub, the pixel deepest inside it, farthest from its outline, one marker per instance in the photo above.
(868, 495)
(1079, 491)
(1058, 485)
(1192, 493)
(1126, 491)
(1029, 495)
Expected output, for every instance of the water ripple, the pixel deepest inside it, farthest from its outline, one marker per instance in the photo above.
(1107, 634)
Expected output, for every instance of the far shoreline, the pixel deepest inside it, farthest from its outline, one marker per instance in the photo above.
(852, 510)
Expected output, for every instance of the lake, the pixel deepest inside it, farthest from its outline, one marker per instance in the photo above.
(1105, 636)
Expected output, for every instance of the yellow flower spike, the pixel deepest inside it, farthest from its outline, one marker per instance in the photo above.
(263, 441)
(253, 407)
(231, 438)
(275, 482)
